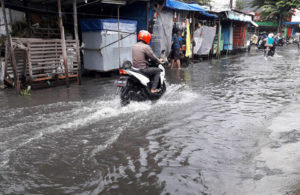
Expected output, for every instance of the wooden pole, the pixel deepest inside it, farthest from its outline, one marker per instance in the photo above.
(12, 52)
(147, 16)
(29, 61)
(218, 46)
(119, 37)
(161, 7)
(193, 31)
(63, 42)
(77, 42)
(6, 61)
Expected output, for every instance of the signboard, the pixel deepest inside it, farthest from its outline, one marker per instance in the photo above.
(238, 16)
(296, 17)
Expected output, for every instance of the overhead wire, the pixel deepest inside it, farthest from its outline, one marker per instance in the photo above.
(65, 13)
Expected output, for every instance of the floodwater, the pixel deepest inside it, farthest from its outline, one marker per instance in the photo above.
(224, 127)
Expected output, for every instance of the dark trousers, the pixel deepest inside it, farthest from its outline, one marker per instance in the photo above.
(152, 73)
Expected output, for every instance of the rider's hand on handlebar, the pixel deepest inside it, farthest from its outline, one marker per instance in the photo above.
(161, 60)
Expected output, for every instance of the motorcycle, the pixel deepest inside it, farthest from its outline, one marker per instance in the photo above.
(135, 86)
(280, 41)
(269, 50)
(261, 44)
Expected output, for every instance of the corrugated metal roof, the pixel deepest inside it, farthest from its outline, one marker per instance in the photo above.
(63, 2)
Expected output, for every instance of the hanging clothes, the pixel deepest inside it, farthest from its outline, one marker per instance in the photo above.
(204, 38)
(188, 52)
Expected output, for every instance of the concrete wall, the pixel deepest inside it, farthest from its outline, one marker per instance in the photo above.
(12, 16)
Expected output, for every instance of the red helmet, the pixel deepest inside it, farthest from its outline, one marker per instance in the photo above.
(144, 36)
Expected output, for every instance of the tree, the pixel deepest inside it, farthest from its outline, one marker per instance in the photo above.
(276, 10)
(239, 5)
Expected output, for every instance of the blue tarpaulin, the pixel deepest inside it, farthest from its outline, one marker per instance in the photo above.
(188, 7)
(227, 42)
(196, 6)
(138, 12)
(180, 5)
(291, 23)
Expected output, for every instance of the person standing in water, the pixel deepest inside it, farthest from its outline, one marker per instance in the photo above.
(175, 50)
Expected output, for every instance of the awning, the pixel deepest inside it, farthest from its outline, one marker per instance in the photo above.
(209, 15)
(182, 6)
(291, 23)
(173, 4)
(254, 23)
(196, 6)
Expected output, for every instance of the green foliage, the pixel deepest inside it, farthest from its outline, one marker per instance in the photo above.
(240, 5)
(19, 29)
(258, 3)
(276, 10)
(26, 92)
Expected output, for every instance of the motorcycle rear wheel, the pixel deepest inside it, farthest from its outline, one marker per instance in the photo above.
(124, 96)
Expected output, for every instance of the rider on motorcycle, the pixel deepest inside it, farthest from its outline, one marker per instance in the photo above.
(270, 43)
(141, 52)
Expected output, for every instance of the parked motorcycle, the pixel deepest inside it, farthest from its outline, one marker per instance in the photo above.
(135, 86)
(279, 41)
(261, 44)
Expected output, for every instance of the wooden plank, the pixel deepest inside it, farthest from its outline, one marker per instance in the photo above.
(52, 50)
(39, 40)
(45, 59)
(24, 67)
(37, 57)
(44, 68)
(13, 59)
(42, 79)
(41, 75)
(9, 82)
(6, 61)
(43, 52)
(47, 63)
(45, 48)
(52, 44)
(71, 76)
(77, 40)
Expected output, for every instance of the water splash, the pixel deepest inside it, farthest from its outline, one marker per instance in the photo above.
(50, 119)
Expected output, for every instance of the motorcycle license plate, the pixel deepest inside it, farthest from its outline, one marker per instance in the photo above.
(121, 83)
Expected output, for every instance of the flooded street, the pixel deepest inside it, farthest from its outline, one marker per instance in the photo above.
(228, 126)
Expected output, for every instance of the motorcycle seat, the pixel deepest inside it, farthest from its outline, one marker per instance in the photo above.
(137, 71)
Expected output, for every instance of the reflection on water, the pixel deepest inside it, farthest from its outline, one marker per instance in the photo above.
(221, 128)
